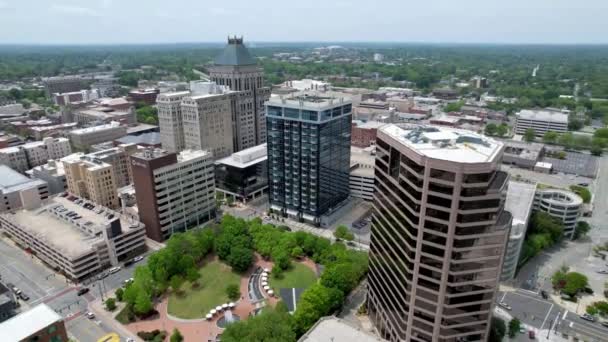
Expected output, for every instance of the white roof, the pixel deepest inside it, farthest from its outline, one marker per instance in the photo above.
(520, 197)
(28, 322)
(246, 157)
(444, 143)
(544, 165)
(111, 125)
(337, 330)
(371, 124)
(542, 115)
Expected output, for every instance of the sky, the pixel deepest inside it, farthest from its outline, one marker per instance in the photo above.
(177, 21)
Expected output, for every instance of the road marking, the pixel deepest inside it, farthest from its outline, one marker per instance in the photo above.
(503, 297)
(565, 314)
(536, 299)
(547, 316)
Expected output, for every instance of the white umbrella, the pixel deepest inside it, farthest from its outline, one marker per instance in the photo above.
(270, 292)
(264, 283)
(213, 311)
(218, 308)
(209, 316)
(225, 306)
(266, 270)
(266, 287)
(264, 274)
(231, 304)
(264, 278)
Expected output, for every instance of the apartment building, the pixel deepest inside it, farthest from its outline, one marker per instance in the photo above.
(77, 237)
(91, 179)
(175, 192)
(541, 121)
(84, 138)
(118, 157)
(308, 154)
(438, 234)
(564, 205)
(236, 68)
(27, 156)
(519, 202)
(170, 120)
(19, 191)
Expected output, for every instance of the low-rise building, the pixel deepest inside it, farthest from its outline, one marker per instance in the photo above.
(19, 191)
(91, 179)
(174, 192)
(53, 174)
(40, 323)
(40, 132)
(522, 154)
(11, 109)
(27, 156)
(147, 96)
(541, 121)
(562, 204)
(244, 174)
(84, 95)
(519, 202)
(361, 179)
(445, 94)
(336, 329)
(84, 138)
(74, 236)
(364, 133)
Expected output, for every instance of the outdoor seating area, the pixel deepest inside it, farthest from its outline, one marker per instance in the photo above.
(219, 309)
(264, 282)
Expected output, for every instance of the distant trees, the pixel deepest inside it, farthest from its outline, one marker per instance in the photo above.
(570, 283)
(543, 231)
(582, 191)
(147, 114)
(453, 106)
(110, 304)
(272, 325)
(176, 336)
(342, 232)
(530, 135)
(490, 129)
(498, 329)
(233, 292)
(514, 326)
(582, 228)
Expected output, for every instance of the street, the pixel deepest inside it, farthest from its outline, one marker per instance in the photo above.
(43, 285)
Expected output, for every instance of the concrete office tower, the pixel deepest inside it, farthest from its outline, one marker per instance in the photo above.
(308, 154)
(174, 192)
(438, 234)
(207, 121)
(236, 68)
(519, 202)
(91, 179)
(170, 120)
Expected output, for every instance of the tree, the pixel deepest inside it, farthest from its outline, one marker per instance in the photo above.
(110, 304)
(566, 139)
(176, 336)
(143, 304)
(491, 129)
(240, 258)
(601, 133)
(550, 137)
(315, 302)
(530, 135)
(498, 330)
(342, 232)
(297, 252)
(514, 326)
(583, 192)
(575, 282)
(281, 258)
(342, 276)
(575, 124)
(233, 291)
(119, 293)
(453, 107)
(176, 282)
(273, 325)
(502, 130)
(582, 228)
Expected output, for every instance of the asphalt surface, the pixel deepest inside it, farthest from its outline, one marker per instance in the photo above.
(43, 285)
(575, 163)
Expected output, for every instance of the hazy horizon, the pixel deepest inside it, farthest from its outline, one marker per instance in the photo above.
(112, 22)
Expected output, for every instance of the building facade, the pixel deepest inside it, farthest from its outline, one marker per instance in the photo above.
(91, 179)
(147, 96)
(236, 68)
(40, 323)
(362, 180)
(18, 191)
(27, 156)
(170, 121)
(541, 121)
(118, 157)
(174, 192)
(308, 154)
(53, 174)
(82, 139)
(243, 175)
(439, 234)
(564, 205)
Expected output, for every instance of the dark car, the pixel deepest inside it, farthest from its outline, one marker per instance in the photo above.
(531, 334)
(82, 291)
(24, 297)
(544, 294)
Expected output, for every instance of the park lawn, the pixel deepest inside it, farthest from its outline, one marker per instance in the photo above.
(298, 276)
(196, 303)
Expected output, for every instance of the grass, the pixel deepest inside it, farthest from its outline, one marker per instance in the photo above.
(123, 315)
(196, 303)
(299, 276)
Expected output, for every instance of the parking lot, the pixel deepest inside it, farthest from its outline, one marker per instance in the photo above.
(575, 164)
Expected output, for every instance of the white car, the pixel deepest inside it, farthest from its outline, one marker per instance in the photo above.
(114, 270)
(505, 305)
(138, 258)
(90, 315)
(128, 281)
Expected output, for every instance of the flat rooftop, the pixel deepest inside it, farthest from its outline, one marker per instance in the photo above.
(91, 162)
(246, 157)
(28, 322)
(88, 130)
(11, 180)
(525, 150)
(520, 197)
(542, 115)
(71, 239)
(311, 100)
(337, 330)
(445, 143)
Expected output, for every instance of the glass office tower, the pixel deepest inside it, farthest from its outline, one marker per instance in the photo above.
(308, 154)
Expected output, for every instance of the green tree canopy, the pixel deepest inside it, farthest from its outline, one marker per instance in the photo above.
(530, 135)
(273, 325)
(491, 129)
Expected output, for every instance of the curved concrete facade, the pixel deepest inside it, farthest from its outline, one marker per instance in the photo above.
(562, 204)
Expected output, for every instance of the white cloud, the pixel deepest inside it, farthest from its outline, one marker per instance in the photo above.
(75, 10)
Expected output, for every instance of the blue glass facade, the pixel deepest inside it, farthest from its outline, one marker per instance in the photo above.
(308, 158)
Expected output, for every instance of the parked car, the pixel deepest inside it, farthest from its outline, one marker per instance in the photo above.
(114, 270)
(138, 258)
(82, 291)
(90, 315)
(544, 294)
(531, 334)
(602, 271)
(16, 290)
(587, 317)
(505, 305)
(24, 297)
(102, 275)
(128, 281)
(605, 323)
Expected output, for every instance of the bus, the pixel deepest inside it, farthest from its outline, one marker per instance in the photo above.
(111, 337)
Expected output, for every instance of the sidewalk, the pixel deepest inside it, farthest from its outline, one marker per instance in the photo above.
(97, 307)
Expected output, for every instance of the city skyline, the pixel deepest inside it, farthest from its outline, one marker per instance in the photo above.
(111, 22)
